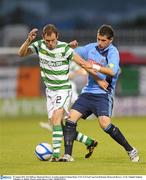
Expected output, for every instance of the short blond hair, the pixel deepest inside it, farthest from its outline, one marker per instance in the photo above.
(49, 29)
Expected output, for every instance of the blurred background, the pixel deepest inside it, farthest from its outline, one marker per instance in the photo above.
(21, 88)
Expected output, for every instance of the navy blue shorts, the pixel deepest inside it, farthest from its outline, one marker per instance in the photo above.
(98, 104)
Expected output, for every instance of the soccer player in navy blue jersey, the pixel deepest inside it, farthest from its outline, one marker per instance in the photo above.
(103, 57)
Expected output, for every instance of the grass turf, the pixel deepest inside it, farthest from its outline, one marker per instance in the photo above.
(19, 137)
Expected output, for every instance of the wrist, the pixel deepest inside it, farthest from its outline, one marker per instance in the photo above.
(28, 41)
(96, 66)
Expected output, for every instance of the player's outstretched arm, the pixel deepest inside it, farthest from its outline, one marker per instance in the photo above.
(88, 67)
(81, 62)
(101, 82)
(98, 68)
(103, 70)
(24, 50)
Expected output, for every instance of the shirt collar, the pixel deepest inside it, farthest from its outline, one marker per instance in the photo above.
(103, 50)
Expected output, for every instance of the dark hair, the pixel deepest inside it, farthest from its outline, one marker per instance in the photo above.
(106, 30)
(49, 29)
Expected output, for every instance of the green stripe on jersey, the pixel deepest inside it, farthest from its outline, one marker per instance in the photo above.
(54, 64)
(66, 49)
(39, 43)
(61, 72)
(43, 51)
(60, 45)
(55, 88)
(70, 57)
(54, 81)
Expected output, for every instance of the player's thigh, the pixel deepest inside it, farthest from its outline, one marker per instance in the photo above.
(57, 100)
(74, 115)
(63, 100)
(82, 106)
(102, 105)
(103, 109)
(50, 102)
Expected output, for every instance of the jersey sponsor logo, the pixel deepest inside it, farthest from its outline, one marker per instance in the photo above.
(51, 63)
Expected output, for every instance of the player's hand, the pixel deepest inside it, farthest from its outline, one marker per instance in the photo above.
(103, 84)
(32, 35)
(73, 44)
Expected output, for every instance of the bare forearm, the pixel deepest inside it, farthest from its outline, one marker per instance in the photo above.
(94, 74)
(103, 70)
(91, 71)
(101, 82)
(24, 50)
(98, 68)
(81, 62)
(84, 64)
(107, 71)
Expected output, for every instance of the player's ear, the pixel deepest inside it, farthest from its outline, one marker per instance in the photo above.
(111, 40)
(43, 35)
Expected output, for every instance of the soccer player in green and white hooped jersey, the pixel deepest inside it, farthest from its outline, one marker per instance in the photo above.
(55, 57)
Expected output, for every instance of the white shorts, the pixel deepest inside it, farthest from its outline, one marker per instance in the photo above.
(58, 99)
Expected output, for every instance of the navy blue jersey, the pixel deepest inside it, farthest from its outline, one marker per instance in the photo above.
(108, 57)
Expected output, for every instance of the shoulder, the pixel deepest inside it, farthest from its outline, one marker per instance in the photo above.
(90, 46)
(64, 48)
(61, 44)
(113, 51)
(87, 48)
(38, 43)
(113, 48)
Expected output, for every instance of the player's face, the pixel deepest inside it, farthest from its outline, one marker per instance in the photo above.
(103, 41)
(50, 41)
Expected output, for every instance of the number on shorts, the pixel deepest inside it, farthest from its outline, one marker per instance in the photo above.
(58, 98)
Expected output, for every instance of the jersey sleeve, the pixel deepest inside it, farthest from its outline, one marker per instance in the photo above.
(34, 47)
(83, 50)
(101, 76)
(113, 60)
(68, 54)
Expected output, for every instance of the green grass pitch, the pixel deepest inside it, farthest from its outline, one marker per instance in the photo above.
(19, 137)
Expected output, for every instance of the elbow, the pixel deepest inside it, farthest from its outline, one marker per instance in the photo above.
(112, 74)
(20, 54)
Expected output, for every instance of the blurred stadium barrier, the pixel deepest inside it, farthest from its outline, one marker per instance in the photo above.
(14, 34)
(125, 38)
(22, 91)
(12, 107)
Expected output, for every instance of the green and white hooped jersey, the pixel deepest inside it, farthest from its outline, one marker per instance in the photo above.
(54, 64)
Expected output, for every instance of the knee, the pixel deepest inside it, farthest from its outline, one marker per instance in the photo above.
(104, 122)
(57, 117)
